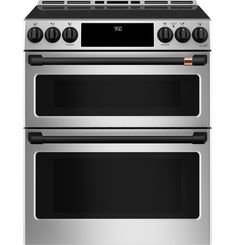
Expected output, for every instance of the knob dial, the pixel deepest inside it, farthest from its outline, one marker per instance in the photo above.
(52, 35)
(35, 35)
(165, 35)
(70, 35)
(200, 35)
(182, 34)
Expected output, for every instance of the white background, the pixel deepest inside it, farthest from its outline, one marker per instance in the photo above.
(12, 13)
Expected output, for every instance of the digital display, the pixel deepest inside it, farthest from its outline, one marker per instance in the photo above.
(117, 35)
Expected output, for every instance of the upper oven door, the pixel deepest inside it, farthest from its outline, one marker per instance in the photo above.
(119, 89)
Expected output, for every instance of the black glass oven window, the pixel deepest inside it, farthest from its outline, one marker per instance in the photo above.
(117, 35)
(117, 95)
(117, 185)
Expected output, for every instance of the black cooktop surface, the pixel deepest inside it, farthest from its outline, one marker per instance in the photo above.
(119, 12)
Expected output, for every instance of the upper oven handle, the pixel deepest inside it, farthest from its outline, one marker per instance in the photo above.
(196, 138)
(196, 60)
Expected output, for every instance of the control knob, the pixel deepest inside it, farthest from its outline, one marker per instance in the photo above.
(200, 35)
(165, 35)
(70, 35)
(35, 35)
(52, 35)
(182, 35)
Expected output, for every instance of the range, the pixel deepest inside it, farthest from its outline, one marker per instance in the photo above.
(117, 123)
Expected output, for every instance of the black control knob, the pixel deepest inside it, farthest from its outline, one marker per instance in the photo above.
(70, 35)
(35, 35)
(200, 35)
(182, 35)
(52, 35)
(165, 35)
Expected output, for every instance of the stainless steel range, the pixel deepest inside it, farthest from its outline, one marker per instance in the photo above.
(117, 123)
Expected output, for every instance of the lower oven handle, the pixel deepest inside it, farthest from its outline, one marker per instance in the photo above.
(196, 60)
(196, 138)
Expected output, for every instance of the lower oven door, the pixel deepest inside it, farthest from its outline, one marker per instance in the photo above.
(117, 89)
(117, 187)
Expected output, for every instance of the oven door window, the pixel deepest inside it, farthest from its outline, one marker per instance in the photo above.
(117, 185)
(117, 95)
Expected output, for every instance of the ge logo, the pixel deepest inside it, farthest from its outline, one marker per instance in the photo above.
(118, 28)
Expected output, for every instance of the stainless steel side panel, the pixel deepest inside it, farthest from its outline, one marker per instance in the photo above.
(202, 120)
(118, 231)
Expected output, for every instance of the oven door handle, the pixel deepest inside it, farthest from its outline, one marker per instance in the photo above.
(196, 138)
(196, 60)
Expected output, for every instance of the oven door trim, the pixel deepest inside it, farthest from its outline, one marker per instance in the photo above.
(33, 120)
(106, 231)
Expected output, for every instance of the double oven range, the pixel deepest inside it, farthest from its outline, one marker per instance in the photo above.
(117, 123)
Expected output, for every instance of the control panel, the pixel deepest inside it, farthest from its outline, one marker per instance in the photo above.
(130, 35)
